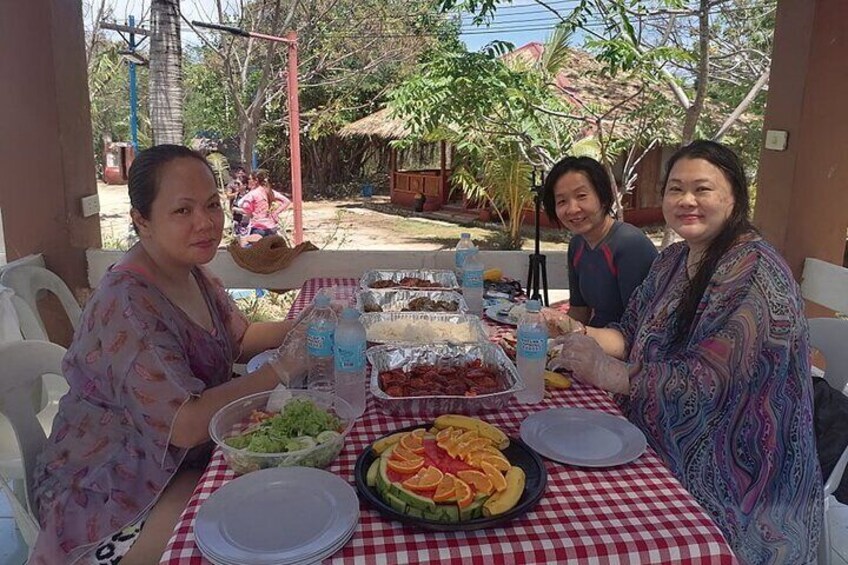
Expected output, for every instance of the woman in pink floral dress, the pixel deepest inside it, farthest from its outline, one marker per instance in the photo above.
(149, 366)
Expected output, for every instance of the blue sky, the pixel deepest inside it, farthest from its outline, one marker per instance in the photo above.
(518, 22)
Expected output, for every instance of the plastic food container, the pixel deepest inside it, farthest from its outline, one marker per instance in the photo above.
(386, 357)
(394, 300)
(232, 418)
(447, 279)
(423, 328)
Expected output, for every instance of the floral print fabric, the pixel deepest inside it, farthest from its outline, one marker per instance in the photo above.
(731, 412)
(134, 361)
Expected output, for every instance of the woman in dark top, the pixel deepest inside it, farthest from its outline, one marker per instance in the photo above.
(607, 258)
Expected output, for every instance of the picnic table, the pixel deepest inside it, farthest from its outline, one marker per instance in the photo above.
(633, 513)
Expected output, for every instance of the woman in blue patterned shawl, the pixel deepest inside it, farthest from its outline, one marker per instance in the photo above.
(711, 360)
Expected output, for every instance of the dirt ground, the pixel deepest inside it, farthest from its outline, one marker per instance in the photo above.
(347, 224)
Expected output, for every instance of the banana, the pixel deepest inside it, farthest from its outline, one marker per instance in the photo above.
(506, 499)
(556, 380)
(381, 445)
(484, 429)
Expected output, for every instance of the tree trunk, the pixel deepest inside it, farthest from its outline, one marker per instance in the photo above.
(693, 113)
(166, 87)
(248, 132)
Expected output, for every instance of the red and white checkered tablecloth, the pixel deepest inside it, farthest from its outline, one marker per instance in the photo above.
(635, 513)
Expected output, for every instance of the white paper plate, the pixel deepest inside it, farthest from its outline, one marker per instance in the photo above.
(585, 438)
(275, 516)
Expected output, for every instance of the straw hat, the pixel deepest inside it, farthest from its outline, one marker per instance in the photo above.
(267, 255)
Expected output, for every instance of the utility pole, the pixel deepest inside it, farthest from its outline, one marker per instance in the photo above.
(133, 58)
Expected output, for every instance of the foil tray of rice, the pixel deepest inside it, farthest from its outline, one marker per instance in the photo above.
(410, 279)
(410, 301)
(412, 380)
(421, 328)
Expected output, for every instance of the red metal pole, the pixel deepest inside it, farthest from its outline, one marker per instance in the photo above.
(294, 142)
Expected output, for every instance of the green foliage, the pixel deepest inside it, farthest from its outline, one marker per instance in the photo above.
(208, 104)
(498, 113)
(108, 87)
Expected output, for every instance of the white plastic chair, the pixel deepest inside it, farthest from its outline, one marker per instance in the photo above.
(22, 366)
(29, 324)
(29, 280)
(830, 337)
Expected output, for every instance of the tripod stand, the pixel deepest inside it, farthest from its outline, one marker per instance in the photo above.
(537, 272)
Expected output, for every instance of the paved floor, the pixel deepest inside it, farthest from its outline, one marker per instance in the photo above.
(13, 551)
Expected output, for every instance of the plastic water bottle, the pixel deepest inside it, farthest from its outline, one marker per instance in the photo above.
(463, 249)
(319, 345)
(531, 354)
(349, 351)
(472, 282)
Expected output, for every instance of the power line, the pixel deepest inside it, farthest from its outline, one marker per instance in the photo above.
(510, 27)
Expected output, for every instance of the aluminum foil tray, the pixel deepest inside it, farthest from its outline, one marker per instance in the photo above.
(386, 357)
(412, 328)
(446, 278)
(393, 300)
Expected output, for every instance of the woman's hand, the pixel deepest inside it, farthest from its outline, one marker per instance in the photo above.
(559, 323)
(289, 361)
(584, 358)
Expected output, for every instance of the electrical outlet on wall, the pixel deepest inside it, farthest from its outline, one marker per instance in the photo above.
(90, 205)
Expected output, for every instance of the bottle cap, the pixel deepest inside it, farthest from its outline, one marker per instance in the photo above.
(533, 306)
(465, 235)
(322, 300)
(350, 313)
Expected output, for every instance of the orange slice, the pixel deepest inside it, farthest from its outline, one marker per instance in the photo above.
(499, 462)
(405, 467)
(464, 449)
(399, 452)
(480, 481)
(476, 457)
(446, 489)
(419, 432)
(426, 479)
(412, 443)
(463, 493)
(498, 480)
(468, 436)
(444, 435)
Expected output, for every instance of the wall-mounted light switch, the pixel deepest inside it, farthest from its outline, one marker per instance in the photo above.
(776, 139)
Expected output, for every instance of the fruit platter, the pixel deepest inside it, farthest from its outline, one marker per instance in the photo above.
(455, 473)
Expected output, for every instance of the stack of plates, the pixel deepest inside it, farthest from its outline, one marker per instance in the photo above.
(279, 516)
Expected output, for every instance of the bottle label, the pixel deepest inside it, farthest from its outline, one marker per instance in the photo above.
(532, 345)
(319, 341)
(472, 279)
(350, 357)
(461, 255)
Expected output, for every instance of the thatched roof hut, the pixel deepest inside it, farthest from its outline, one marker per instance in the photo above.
(380, 124)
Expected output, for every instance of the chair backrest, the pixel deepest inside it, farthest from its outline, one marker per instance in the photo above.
(22, 366)
(28, 280)
(826, 284)
(29, 324)
(830, 336)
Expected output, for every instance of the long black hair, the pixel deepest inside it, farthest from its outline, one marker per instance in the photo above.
(594, 171)
(736, 225)
(145, 172)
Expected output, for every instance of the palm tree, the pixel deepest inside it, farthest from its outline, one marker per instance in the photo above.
(166, 86)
